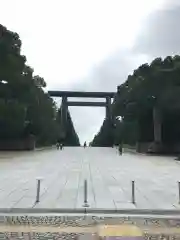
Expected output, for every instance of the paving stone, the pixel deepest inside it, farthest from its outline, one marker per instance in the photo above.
(108, 175)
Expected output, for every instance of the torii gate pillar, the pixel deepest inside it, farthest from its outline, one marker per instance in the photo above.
(108, 108)
(64, 109)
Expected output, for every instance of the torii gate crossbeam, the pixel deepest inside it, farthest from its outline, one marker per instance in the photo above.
(81, 94)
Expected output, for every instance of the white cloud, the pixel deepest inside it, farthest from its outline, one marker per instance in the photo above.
(67, 42)
(160, 35)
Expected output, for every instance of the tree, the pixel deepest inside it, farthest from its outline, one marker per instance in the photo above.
(25, 108)
(149, 97)
(70, 138)
(105, 136)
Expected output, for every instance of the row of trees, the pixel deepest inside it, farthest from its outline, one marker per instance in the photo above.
(25, 109)
(70, 137)
(105, 136)
(154, 86)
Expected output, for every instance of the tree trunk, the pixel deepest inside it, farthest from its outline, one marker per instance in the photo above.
(157, 125)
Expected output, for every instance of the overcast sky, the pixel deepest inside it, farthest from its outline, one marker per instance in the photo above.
(92, 44)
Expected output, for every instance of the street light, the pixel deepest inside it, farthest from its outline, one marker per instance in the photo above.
(119, 118)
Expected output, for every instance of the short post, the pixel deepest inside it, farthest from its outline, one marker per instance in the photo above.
(179, 191)
(85, 194)
(133, 192)
(38, 189)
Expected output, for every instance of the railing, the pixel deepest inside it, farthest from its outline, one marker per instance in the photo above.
(86, 205)
(48, 223)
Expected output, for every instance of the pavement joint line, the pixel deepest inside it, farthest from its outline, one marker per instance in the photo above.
(120, 212)
(94, 229)
(161, 190)
(6, 228)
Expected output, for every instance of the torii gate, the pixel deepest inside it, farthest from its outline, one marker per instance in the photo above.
(65, 103)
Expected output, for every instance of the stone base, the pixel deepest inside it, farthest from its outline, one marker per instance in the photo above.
(142, 147)
(158, 148)
(18, 144)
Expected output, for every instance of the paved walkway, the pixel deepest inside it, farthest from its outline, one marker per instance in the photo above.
(109, 179)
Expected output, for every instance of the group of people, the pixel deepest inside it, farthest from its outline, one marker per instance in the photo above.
(59, 145)
(120, 147)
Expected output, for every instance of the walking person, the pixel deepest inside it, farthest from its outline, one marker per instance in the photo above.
(57, 145)
(61, 146)
(120, 149)
(85, 144)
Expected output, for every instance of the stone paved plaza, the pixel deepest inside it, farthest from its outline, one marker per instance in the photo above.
(108, 175)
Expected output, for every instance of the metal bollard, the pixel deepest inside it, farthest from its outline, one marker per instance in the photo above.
(38, 190)
(85, 194)
(179, 191)
(133, 192)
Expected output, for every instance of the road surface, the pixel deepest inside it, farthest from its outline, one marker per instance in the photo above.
(108, 175)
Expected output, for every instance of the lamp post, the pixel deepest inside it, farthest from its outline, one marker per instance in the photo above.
(116, 122)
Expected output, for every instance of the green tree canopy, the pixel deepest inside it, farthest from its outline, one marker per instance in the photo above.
(71, 137)
(25, 108)
(151, 85)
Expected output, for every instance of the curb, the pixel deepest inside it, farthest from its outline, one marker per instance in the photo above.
(128, 150)
(44, 148)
